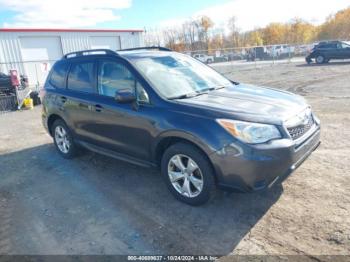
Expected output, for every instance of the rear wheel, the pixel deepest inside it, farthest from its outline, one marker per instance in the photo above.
(63, 139)
(188, 174)
(320, 59)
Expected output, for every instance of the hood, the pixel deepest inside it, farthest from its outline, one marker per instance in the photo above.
(250, 100)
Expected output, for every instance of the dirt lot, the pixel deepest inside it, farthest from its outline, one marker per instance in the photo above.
(97, 205)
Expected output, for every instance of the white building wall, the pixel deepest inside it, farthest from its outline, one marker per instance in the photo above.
(11, 54)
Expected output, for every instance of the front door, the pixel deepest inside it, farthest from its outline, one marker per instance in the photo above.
(344, 50)
(124, 128)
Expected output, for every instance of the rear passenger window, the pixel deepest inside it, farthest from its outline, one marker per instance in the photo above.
(58, 75)
(81, 77)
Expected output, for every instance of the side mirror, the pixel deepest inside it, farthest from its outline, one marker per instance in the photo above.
(125, 96)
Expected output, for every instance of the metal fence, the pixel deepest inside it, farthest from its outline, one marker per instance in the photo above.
(8, 102)
(268, 54)
(36, 71)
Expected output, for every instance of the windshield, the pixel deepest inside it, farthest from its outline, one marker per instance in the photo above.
(174, 75)
(345, 44)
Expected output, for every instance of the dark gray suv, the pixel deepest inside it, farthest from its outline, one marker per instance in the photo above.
(155, 107)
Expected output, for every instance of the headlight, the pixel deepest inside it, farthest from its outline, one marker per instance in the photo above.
(252, 133)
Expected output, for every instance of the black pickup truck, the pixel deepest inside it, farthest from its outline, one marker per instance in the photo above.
(325, 51)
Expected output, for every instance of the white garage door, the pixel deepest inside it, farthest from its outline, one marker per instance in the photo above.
(39, 53)
(105, 42)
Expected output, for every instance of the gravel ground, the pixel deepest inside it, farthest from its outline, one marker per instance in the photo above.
(97, 205)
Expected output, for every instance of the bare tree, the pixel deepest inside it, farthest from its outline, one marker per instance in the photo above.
(152, 37)
(190, 33)
(171, 37)
(205, 23)
(234, 32)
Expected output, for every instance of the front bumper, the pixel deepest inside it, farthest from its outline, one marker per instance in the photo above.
(310, 57)
(251, 168)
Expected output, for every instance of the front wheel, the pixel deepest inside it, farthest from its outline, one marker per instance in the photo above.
(188, 174)
(320, 59)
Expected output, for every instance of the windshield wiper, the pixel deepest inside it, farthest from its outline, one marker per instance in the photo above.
(189, 95)
(212, 88)
(219, 87)
(197, 93)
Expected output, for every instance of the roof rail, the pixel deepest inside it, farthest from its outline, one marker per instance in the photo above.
(160, 48)
(89, 52)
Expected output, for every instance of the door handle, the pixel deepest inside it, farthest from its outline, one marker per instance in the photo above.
(63, 99)
(82, 105)
(98, 108)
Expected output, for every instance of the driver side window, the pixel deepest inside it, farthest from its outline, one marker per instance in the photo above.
(114, 76)
(345, 45)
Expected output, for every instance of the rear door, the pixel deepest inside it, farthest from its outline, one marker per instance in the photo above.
(79, 98)
(332, 51)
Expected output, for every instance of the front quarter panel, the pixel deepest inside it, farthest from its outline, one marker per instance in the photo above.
(206, 133)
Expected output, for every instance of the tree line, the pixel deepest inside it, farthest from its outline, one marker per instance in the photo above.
(201, 33)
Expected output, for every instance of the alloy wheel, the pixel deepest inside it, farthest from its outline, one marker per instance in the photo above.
(320, 59)
(62, 139)
(185, 175)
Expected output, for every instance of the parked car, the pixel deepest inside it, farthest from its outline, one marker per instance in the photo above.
(281, 51)
(325, 51)
(234, 56)
(303, 50)
(204, 58)
(257, 53)
(221, 58)
(165, 109)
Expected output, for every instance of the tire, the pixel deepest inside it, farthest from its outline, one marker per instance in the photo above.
(65, 147)
(209, 61)
(320, 59)
(308, 60)
(197, 186)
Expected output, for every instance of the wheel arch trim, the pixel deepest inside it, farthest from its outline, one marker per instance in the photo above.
(182, 136)
(51, 119)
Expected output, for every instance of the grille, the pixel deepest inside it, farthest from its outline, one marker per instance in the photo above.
(298, 131)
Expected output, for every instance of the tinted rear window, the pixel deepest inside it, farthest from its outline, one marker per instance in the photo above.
(58, 75)
(81, 77)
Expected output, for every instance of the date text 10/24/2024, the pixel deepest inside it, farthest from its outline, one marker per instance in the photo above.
(172, 258)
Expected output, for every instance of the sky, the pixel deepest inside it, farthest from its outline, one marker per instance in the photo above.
(141, 14)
